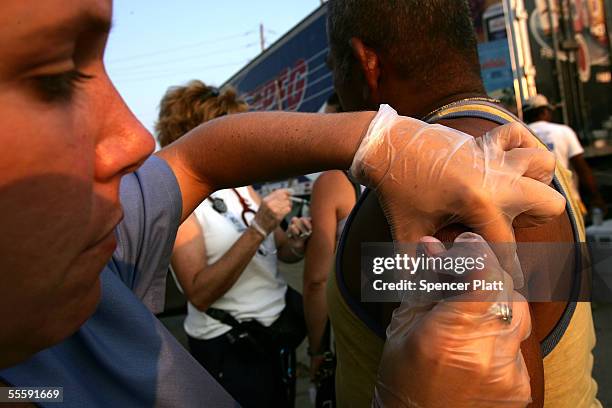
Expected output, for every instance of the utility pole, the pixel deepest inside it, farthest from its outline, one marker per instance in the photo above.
(523, 70)
(262, 39)
(553, 18)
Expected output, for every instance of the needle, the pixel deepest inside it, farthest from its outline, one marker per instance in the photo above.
(298, 200)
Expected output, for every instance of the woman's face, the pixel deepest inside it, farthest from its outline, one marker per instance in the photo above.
(66, 138)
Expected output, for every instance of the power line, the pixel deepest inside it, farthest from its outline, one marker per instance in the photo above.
(181, 47)
(169, 70)
(174, 72)
(130, 69)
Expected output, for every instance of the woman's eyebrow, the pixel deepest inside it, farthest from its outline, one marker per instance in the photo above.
(60, 28)
(100, 24)
(90, 22)
(47, 38)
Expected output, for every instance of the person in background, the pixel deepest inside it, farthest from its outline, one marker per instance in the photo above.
(563, 141)
(241, 313)
(333, 197)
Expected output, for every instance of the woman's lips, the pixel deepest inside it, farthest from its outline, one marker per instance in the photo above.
(108, 243)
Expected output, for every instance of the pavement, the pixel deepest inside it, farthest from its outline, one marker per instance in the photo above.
(602, 368)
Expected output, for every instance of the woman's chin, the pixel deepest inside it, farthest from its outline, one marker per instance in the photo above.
(51, 325)
(69, 320)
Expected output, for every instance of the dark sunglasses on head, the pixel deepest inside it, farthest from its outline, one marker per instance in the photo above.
(213, 92)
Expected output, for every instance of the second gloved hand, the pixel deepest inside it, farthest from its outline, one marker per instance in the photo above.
(458, 352)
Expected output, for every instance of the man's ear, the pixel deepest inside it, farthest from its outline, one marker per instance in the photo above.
(370, 66)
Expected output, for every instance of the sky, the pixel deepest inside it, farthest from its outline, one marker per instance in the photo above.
(155, 44)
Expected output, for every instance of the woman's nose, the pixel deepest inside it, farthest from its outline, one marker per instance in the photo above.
(124, 143)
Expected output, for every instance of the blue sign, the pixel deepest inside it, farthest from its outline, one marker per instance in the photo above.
(495, 66)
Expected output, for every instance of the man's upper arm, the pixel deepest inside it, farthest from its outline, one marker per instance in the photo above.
(321, 246)
(532, 354)
(152, 205)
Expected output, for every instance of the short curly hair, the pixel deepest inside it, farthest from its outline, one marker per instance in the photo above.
(185, 107)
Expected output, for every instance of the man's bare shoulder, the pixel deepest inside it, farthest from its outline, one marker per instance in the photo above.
(331, 179)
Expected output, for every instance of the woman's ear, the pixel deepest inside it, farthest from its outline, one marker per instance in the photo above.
(369, 63)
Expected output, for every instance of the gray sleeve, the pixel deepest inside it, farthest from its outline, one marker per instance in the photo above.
(152, 205)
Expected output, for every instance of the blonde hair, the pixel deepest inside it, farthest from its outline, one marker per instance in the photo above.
(185, 107)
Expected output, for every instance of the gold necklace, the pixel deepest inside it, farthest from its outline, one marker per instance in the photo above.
(449, 105)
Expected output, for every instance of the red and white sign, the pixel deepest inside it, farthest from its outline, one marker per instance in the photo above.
(283, 92)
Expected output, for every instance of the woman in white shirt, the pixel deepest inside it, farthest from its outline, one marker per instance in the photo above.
(242, 316)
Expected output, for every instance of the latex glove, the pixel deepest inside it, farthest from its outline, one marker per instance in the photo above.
(430, 176)
(458, 353)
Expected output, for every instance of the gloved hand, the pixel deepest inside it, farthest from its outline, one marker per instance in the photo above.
(430, 176)
(459, 353)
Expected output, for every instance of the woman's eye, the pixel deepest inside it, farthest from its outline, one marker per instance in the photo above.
(60, 87)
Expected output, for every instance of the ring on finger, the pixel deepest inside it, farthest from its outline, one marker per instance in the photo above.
(503, 311)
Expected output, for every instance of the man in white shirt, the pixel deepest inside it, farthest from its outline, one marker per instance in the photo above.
(563, 141)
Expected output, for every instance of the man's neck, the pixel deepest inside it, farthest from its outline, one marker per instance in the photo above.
(420, 105)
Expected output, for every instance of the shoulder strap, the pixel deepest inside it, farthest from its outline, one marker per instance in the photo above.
(223, 317)
(473, 109)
